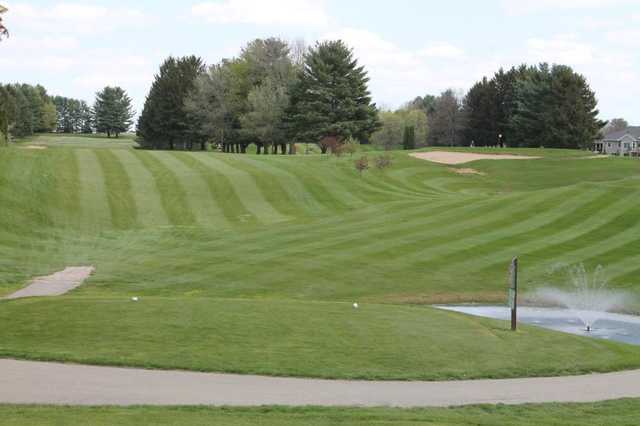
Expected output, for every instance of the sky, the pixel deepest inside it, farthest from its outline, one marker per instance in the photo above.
(409, 47)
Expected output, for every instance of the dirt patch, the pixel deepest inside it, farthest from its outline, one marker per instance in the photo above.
(445, 157)
(55, 284)
(467, 171)
(34, 147)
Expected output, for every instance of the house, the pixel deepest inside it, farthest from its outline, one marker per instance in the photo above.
(623, 142)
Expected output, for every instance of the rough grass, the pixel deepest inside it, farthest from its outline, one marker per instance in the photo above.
(201, 230)
(624, 412)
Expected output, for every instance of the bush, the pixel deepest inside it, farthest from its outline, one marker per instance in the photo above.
(383, 161)
(362, 164)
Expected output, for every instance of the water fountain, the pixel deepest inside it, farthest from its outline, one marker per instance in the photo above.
(589, 297)
(583, 304)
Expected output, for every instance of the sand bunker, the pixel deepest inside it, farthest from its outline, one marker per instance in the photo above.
(467, 172)
(55, 284)
(33, 147)
(444, 157)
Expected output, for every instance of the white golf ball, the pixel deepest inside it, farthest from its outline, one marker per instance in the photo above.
(135, 298)
(355, 306)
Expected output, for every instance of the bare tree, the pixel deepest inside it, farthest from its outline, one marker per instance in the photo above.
(297, 49)
(3, 30)
(447, 120)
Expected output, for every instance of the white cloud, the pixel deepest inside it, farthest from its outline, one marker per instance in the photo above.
(442, 50)
(398, 74)
(300, 13)
(70, 18)
(560, 49)
(523, 7)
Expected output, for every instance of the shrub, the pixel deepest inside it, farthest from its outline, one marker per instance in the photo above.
(383, 161)
(362, 164)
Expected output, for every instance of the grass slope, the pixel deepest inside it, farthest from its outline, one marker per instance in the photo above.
(192, 233)
(624, 412)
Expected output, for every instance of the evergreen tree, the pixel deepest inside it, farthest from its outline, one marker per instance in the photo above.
(481, 112)
(555, 107)
(7, 113)
(330, 99)
(24, 116)
(409, 138)
(113, 113)
(164, 122)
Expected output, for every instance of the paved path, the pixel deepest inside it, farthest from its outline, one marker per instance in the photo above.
(23, 382)
(55, 284)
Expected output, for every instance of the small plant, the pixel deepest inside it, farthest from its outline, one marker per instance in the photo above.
(338, 150)
(362, 164)
(383, 161)
(350, 147)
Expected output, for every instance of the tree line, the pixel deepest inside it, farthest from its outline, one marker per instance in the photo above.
(274, 94)
(527, 106)
(26, 110)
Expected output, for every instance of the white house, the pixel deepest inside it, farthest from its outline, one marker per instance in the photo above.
(623, 142)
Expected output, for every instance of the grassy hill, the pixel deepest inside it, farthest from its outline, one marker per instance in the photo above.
(211, 239)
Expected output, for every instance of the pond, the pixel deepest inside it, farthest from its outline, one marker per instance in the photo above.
(611, 326)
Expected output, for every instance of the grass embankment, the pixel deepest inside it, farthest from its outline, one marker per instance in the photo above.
(192, 232)
(621, 413)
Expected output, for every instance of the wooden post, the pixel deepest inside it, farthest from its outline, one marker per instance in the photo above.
(513, 293)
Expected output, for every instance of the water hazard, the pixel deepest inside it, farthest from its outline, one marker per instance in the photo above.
(611, 326)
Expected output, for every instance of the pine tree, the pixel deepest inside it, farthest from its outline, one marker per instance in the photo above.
(113, 113)
(330, 100)
(24, 116)
(164, 122)
(555, 107)
(409, 138)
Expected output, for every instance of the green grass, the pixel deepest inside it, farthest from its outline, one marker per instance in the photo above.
(322, 339)
(278, 247)
(623, 412)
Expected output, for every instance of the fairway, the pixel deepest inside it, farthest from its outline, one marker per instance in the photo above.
(250, 263)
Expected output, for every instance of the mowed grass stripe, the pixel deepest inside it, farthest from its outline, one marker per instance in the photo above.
(172, 196)
(246, 189)
(598, 246)
(569, 224)
(579, 230)
(118, 187)
(325, 182)
(322, 244)
(65, 203)
(430, 244)
(96, 214)
(296, 191)
(205, 210)
(270, 186)
(220, 190)
(415, 236)
(546, 211)
(144, 190)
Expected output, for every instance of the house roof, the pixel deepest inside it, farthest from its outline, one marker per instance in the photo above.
(615, 136)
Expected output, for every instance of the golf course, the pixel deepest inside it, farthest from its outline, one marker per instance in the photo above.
(250, 264)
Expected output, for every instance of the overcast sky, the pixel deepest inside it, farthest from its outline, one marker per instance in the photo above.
(410, 47)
